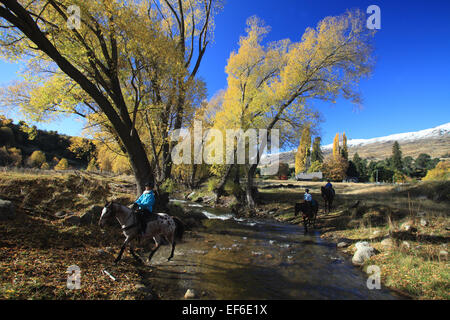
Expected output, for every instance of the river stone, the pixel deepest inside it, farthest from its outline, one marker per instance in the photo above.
(423, 222)
(190, 294)
(363, 252)
(343, 244)
(408, 226)
(71, 220)
(405, 244)
(387, 243)
(7, 210)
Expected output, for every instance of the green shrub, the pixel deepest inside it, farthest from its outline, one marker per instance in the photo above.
(232, 188)
(168, 186)
(212, 184)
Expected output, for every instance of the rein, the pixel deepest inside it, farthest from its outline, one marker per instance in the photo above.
(126, 228)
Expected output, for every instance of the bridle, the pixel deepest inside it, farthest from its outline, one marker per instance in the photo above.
(113, 214)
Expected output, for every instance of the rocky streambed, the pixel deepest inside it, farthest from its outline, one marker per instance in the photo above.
(244, 258)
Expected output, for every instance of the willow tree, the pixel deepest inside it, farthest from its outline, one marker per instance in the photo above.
(270, 85)
(106, 64)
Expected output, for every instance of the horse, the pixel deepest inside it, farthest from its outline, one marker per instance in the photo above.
(160, 225)
(309, 213)
(328, 196)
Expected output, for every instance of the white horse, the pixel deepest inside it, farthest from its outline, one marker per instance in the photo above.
(171, 228)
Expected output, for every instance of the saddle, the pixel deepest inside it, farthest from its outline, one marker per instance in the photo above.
(144, 217)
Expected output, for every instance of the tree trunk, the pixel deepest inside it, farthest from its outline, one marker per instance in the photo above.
(249, 192)
(191, 181)
(139, 162)
(220, 187)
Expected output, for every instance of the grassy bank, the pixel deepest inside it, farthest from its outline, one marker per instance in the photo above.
(413, 263)
(36, 248)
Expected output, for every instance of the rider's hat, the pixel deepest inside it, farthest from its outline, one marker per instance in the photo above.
(150, 184)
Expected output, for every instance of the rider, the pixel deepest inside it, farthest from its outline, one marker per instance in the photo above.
(144, 205)
(308, 198)
(329, 186)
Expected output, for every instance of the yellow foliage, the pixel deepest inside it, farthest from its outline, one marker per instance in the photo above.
(335, 168)
(45, 166)
(36, 159)
(440, 172)
(336, 149)
(303, 151)
(63, 164)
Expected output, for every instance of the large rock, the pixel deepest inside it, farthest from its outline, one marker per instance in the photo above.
(91, 216)
(387, 243)
(408, 226)
(343, 244)
(7, 210)
(363, 252)
(190, 294)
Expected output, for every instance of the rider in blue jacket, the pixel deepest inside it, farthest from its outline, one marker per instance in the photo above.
(144, 204)
(330, 186)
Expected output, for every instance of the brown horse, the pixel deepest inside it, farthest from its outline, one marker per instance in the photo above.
(328, 196)
(309, 213)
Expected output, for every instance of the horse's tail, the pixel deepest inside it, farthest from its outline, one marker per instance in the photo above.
(179, 228)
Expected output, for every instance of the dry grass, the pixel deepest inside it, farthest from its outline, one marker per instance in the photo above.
(362, 213)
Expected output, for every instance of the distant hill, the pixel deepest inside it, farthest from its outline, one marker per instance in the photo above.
(434, 141)
(26, 139)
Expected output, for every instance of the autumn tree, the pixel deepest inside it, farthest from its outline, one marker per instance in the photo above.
(440, 172)
(36, 159)
(303, 151)
(63, 164)
(83, 149)
(110, 65)
(45, 166)
(335, 168)
(270, 85)
(316, 153)
(316, 166)
(336, 145)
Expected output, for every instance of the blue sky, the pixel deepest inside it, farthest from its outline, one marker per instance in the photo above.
(410, 86)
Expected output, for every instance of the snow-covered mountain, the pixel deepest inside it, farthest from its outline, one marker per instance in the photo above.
(434, 141)
(433, 133)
